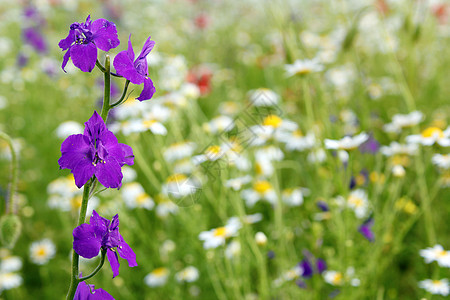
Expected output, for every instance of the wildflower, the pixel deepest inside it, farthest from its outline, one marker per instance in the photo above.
(247, 219)
(84, 39)
(295, 140)
(337, 278)
(303, 67)
(294, 197)
(261, 189)
(136, 71)
(157, 277)
(188, 274)
(263, 97)
(233, 249)
(95, 152)
(398, 171)
(347, 143)
(357, 200)
(237, 183)
(217, 236)
(442, 161)
(179, 185)
(103, 234)
(260, 238)
(219, 124)
(88, 291)
(34, 38)
(438, 254)
(42, 251)
(400, 121)
(68, 128)
(135, 196)
(291, 274)
(178, 151)
(8, 266)
(212, 153)
(366, 230)
(436, 287)
(431, 136)
(371, 145)
(9, 280)
(165, 206)
(398, 149)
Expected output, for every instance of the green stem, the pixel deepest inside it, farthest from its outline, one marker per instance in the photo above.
(100, 66)
(11, 206)
(122, 98)
(107, 93)
(75, 257)
(96, 269)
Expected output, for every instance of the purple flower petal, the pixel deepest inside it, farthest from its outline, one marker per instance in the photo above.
(82, 172)
(73, 149)
(84, 56)
(130, 51)
(125, 67)
(85, 242)
(109, 173)
(65, 44)
(33, 37)
(127, 253)
(148, 91)
(127, 154)
(321, 265)
(366, 230)
(94, 127)
(113, 261)
(105, 34)
(65, 60)
(99, 223)
(88, 292)
(307, 268)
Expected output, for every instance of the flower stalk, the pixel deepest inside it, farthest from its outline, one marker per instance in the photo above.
(11, 206)
(107, 93)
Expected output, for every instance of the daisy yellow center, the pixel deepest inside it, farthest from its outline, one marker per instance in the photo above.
(160, 272)
(433, 131)
(76, 202)
(41, 252)
(356, 201)
(298, 133)
(337, 279)
(220, 232)
(437, 282)
(213, 150)
(442, 253)
(176, 178)
(148, 123)
(303, 71)
(272, 120)
(141, 199)
(402, 160)
(262, 186)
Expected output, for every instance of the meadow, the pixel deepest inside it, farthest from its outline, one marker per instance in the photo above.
(291, 149)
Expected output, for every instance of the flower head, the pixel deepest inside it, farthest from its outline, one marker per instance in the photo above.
(42, 251)
(84, 39)
(366, 230)
(88, 291)
(103, 234)
(436, 287)
(136, 70)
(95, 152)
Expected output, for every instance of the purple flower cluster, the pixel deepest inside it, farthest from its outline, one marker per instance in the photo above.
(95, 152)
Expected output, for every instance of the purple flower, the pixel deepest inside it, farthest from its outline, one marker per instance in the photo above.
(370, 146)
(321, 265)
(34, 38)
(84, 39)
(366, 230)
(88, 292)
(95, 152)
(103, 234)
(322, 205)
(306, 267)
(136, 70)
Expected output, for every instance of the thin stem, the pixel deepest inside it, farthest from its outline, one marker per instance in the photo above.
(116, 75)
(122, 98)
(11, 206)
(75, 257)
(107, 93)
(96, 269)
(100, 66)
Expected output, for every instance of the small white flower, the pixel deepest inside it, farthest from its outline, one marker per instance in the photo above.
(219, 124)
(398, 171)
(233, 249)
(295, 140)
(134, 196)
(179, 185)
(188, 274)
(400, 121)
(157, 277)
(217, 236)
(68, 128)
(438, 254)
(442, 161)
(260, 238)
(318, 155)
(302, 67)
(261, 190)
(358, 201)
(333, 277)
(263, 97)
(431, 136)
(294, 197)
(347, 143)
(395, 148)
(9, 280)
(212, 153)
(10, 264)
(436, 287)
(42, 251)
(179, 151)
(237, 183)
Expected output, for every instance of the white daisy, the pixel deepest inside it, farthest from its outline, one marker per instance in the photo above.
(42, 251)
(260, 238)
(217, 236)
(157, 277)
(438, 254)
(263, 97)
(188, 274)
(237, 183)
(68, 128)
(233, 249)
(134, 196)
(431, 136)
(359, 202)
(219, 124)
(347, 143)
(333, 277)
(436, 287)
(179, 185)
(179, 151)
(442, 161)
(294, 197)
(261, 190)
(395, 148)
(302, 67)
(400, 121)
